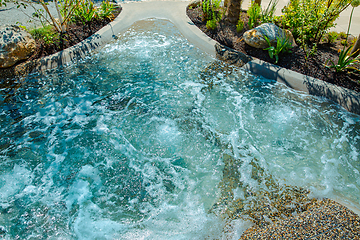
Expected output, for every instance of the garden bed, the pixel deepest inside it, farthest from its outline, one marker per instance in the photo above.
(76, 33)
(314, 66)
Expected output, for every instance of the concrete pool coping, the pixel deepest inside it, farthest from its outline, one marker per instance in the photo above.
(176, 13)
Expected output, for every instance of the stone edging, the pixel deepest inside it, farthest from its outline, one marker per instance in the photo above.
(348, 99)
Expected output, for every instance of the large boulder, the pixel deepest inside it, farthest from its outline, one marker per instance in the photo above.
(255, 37)
(15, 44)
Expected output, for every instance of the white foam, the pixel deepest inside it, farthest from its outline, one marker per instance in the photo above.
(13, 183)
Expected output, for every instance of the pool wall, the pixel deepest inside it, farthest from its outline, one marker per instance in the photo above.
(176, 13)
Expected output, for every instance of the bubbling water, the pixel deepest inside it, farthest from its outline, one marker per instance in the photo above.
(149, 138)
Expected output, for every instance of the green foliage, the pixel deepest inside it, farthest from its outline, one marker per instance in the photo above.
(254, 14)
(345, 61)
(267, 15)
(211, 10)
(331, 37)
(211, 24)
(3, 2)
(85, 12)
(309, 20)
(344, 42)
(47, 33)
(343, 35)
(355, 3)
(282, 45)
(212, 13)
(69, 10)
(240, 25)
(353, 41)
(106, 9)
(207, 10)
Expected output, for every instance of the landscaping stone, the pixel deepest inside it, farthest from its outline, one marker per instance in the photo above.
(15, 44)
(231, 56)
(255, 37)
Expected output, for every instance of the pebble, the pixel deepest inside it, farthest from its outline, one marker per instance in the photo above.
(323, 219)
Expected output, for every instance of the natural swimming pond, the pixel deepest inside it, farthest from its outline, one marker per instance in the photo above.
(150, 138)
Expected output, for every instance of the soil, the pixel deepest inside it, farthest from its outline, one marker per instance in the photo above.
(76, 33)
(314, 66)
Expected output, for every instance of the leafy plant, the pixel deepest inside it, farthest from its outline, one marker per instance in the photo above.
(353, 41)
(206, 9)
(344, 42)
(47, 33)
(211, 24)
(331, 37)
(254, 14)
(85, 12)
(282, 45)
(211, 10)
(60, 22)
(342, 35)
(240, 25)
(345, 61)
(309, 20)
(106, 10)
(211, 13)
(267, 15)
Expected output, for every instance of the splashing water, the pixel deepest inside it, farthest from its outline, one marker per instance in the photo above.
(150, 138)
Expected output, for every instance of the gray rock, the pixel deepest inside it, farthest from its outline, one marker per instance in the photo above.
(15, 44)
(255, 37)
(231, 56)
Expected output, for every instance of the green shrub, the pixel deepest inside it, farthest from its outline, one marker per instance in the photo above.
(344, 42)
(309, 20)
(211, 10)
(47, 33)
(240, 25)
(211, 24)
(331, 37)
(106, 10)
(282, 45)
(345, 61)
(343, 35)
(267, 15)
(353, 41)
(85, 12)
(212, 13)
(254, 14)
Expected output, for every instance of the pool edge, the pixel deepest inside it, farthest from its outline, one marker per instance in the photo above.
(346, 98)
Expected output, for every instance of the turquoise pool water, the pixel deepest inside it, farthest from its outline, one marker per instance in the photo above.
(132, 142)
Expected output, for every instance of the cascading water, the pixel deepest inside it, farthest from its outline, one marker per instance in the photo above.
(149, 138)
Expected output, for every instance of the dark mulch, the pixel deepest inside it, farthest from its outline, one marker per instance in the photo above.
(227, 35)
(76, 33)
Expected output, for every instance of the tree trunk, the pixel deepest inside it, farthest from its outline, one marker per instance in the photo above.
(258, 2)
(62, 23)
(233, 10)
(356, 49)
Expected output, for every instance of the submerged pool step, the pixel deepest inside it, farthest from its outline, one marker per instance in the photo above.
(324, 219)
